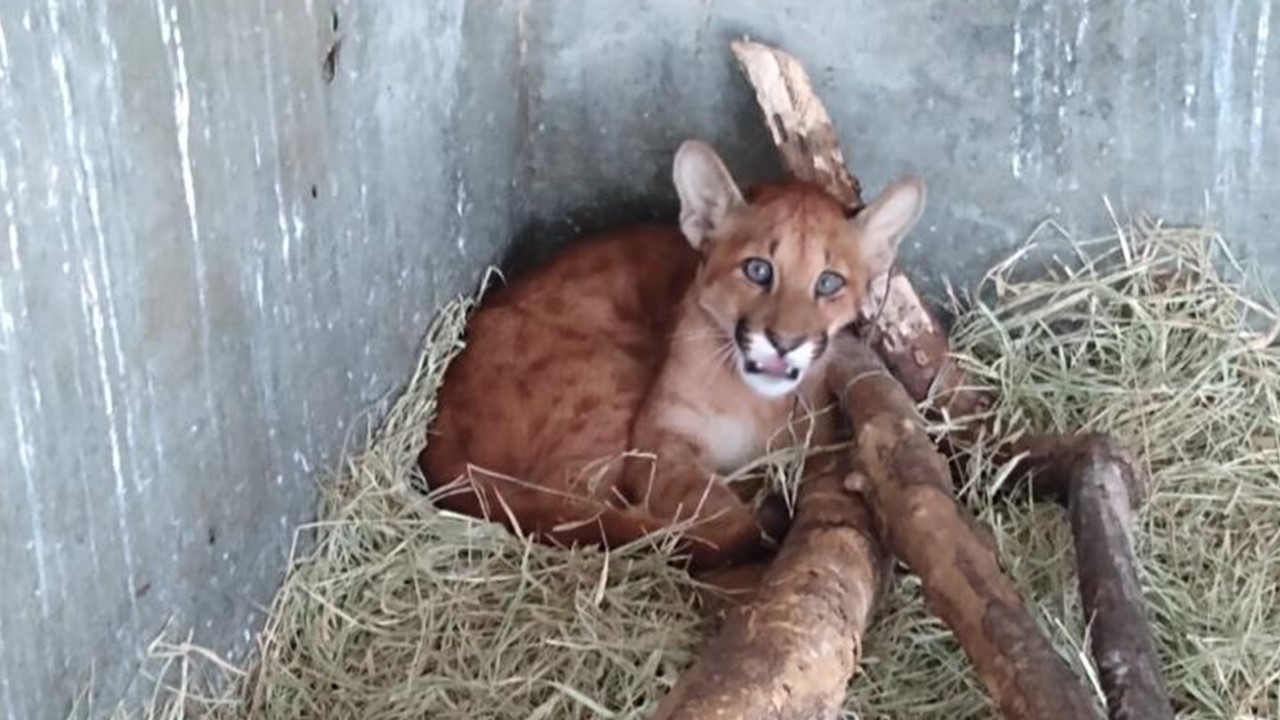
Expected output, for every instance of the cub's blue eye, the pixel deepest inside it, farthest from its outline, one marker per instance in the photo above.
(758, 271)
(828, 284)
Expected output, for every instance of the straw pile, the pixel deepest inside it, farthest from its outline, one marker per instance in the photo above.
(400, 611)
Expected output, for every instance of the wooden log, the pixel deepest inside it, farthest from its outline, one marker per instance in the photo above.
(908, 487)
(912, 344)
(894, 317)
(1099, 486)
(790, 650)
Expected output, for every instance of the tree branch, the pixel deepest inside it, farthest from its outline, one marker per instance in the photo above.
(789, 651)
(908, 486)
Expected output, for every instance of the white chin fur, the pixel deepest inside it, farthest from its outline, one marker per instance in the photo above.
(768, 385)
(771, 386)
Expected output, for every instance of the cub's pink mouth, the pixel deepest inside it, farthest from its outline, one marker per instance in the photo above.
(774, 367)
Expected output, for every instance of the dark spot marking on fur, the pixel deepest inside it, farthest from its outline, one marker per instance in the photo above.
(636, 348)
(773, 247)
(569, 334)
(598, 265)
(586, 405)
(628, 314)
(556, 305)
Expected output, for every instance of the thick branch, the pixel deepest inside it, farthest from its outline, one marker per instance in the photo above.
(797, 120)
(908, 487)
(913, 346)
(791, 650)
(1098, 484)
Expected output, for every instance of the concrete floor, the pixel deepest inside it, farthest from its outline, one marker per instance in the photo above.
(226, 225)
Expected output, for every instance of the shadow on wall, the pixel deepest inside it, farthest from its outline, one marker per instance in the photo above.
(595, 159)
(540, 237)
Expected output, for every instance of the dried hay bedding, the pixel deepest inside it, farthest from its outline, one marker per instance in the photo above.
(400, 611)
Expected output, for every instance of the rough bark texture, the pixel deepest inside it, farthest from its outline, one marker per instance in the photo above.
(908, 487)
(789, 652)
(797, 120)
(895, 319)
(909, 483)
(1099, 486)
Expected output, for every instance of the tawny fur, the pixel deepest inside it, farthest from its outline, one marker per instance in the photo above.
(601, 397)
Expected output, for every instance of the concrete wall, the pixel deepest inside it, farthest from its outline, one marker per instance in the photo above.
(210, 260)
(1012, 111)
(212, 257)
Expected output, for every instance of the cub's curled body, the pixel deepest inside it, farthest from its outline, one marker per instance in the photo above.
(601, 397)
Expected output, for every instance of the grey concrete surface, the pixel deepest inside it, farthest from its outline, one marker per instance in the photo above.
(212, 257)
(211, 260)
(1013, 112)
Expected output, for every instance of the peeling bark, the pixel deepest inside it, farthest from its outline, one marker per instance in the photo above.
(1086, 474)
(790, 650)
(908, 487)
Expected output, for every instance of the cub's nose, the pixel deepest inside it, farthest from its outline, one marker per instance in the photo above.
(784, 344)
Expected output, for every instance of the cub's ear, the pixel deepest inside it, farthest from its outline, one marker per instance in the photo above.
(882, 224)
(707, 191)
